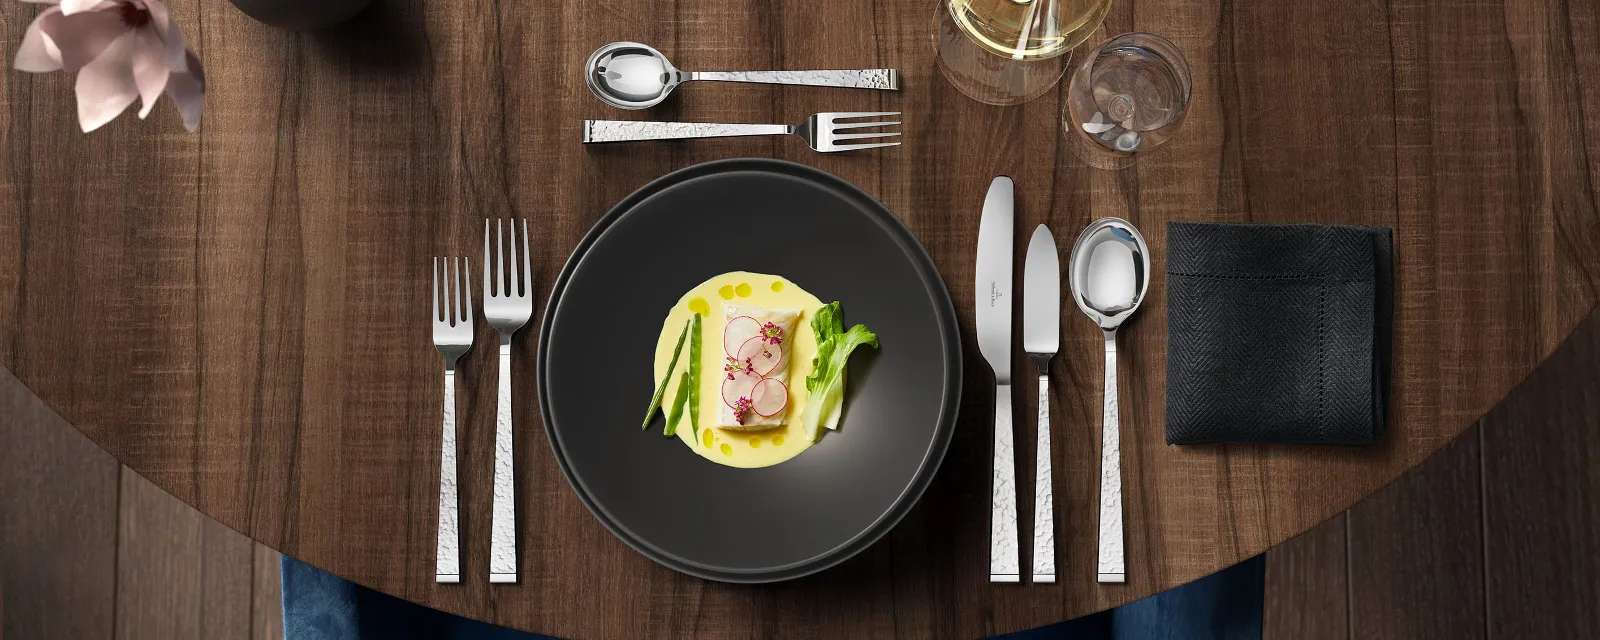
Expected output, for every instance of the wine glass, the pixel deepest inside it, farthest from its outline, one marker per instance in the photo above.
(1006, 52)
(1127, 98)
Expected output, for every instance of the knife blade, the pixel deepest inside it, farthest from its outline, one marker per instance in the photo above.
(1041, 294)
(1041, 338)
(993, 319)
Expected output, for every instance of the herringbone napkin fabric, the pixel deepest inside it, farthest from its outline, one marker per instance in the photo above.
(1278, 333)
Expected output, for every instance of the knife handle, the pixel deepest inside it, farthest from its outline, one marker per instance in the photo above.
(1004, 563)
(1044, 508)
(1110, 566)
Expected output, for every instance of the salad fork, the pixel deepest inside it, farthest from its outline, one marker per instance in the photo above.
(821, 131)
(507, 304)
(452, 336)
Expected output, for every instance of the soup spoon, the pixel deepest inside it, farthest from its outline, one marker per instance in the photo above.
(1109, 272)
(631, 75)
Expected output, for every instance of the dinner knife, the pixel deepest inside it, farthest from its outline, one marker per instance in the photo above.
(1041, 339)
(993, 318)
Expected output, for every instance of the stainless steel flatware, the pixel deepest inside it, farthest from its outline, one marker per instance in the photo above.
(823, 131)
(631, 75)
(452, 336)
(993, 316)
(507, 304)
(1109, 272)
(1041, 339)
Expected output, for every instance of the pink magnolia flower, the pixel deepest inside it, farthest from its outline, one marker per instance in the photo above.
(122, 50)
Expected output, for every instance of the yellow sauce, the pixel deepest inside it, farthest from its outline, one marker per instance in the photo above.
(782, 442)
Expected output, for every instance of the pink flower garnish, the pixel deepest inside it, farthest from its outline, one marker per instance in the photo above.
(732, 366)
(122, 50)
(771, 334)
(742, 408)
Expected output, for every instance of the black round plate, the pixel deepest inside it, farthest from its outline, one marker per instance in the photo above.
(599, 334)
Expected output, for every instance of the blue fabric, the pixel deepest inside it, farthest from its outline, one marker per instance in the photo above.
(1223, 606)
(320, 606)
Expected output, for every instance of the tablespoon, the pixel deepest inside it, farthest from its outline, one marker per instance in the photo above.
(1109, 272)
(631, 75)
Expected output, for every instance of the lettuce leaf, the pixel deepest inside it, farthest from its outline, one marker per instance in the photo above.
(825, 385)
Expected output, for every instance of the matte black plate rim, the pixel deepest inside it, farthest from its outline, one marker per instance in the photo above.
(949, 403)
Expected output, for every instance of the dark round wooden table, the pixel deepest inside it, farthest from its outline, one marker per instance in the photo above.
(240, 314)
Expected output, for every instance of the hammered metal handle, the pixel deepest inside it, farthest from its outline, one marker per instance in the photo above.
(503, 528)
(447, 557)
(1110, 567)
(1004, 562)
(595, 131)
(1044, 510)
(885, 79)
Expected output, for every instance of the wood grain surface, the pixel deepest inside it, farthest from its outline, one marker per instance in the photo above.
(239, 314)
(89, 550)
(1491, 537)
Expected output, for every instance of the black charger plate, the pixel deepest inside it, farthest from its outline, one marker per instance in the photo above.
(595, 378)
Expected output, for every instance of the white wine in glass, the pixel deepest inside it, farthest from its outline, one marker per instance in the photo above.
(1029, 29)
(1006, 52)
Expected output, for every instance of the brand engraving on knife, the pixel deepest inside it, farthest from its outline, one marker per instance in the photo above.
(994, 295)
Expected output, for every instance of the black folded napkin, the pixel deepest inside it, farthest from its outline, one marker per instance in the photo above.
(1278, 333)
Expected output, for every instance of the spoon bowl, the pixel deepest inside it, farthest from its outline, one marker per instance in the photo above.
(631, 75)
(1109, 271)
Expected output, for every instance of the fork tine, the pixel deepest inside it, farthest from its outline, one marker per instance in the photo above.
(500, 255)
(857, 125)
(863, 114)
(486, 259)
(527, 260)
(853, 147)
(512, 267)
(862, 136)
(464, 288)
(435, 295)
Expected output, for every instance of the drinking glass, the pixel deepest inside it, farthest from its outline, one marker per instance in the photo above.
(1006, 52)
(1127, 98)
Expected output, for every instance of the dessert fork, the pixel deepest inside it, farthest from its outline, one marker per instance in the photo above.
(507, 304)
(452, 336)
(821, 131)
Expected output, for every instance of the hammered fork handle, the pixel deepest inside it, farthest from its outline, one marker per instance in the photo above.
(503, 528)
(634, 130)
(447, 559)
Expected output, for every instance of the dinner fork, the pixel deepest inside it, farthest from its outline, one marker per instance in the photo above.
(821, 131)
(452, 336)
(507, 304)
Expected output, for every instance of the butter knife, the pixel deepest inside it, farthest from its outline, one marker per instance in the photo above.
(1041, 339)
(993, 319)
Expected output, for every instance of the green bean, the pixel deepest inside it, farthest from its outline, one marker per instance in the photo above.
(661, 389)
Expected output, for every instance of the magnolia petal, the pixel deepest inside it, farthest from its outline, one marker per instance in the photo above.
(82, 37)
(149, 68)
(106, 86)
(159, 16)
(72, 7)
(177, 47)
(188, 92)
(38, 53)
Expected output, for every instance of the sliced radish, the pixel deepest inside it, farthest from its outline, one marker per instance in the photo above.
(769, 397)
(737, 332)
(739, 387)
(762, 356)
